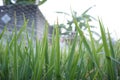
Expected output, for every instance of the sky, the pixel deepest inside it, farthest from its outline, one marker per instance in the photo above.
(107, 10)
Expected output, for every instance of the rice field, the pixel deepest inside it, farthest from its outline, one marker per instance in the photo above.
(25, 58)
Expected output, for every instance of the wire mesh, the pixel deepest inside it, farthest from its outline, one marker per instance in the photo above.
(10, 14)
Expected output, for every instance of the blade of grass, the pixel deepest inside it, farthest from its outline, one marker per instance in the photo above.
(1, 35)
(15, 51)
(52, 57)
(46, 51)
(92, 44)
(114, 60)
(57, 47)
(20, 32)
(70, 59)
(110, 71)
(112, 55)
(87, 45)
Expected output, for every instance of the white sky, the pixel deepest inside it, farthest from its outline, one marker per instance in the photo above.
(107, 10)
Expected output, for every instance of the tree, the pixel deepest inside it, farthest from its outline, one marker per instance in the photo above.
(81, 21)
(10, 2)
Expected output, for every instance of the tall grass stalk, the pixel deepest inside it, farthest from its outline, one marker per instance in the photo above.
(110, 70)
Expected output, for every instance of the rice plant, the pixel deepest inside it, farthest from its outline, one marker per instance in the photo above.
(25, 58)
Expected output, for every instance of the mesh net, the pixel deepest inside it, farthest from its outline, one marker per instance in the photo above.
(17, 13)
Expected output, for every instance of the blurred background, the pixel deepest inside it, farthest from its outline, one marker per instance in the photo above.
(107, 10)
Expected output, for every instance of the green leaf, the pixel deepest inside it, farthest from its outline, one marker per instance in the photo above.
(57, 48)
(110, 71)
(1, 35)
(42, 2)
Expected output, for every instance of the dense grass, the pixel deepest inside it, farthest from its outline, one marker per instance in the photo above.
(23, 58)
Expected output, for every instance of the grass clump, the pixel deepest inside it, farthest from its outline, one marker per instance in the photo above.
(23, 58)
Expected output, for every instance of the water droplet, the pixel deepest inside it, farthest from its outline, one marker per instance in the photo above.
(13, 1)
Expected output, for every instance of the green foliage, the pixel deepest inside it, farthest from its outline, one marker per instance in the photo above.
(22, 58)
(23, 2)
(81, 20)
